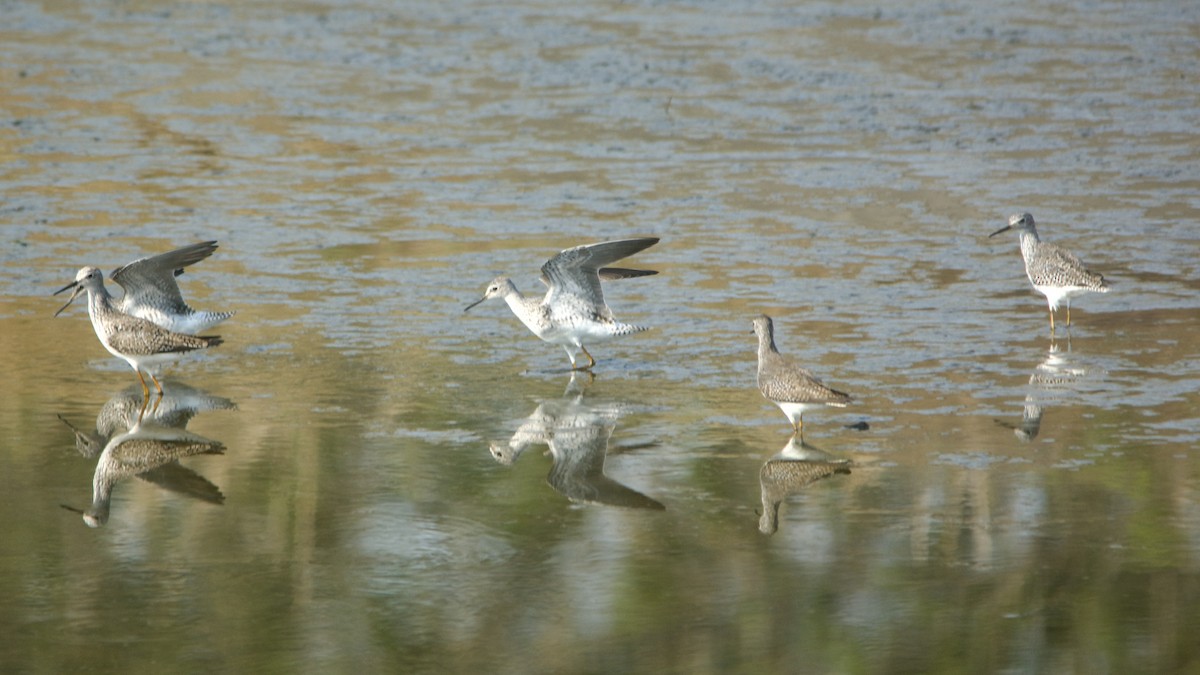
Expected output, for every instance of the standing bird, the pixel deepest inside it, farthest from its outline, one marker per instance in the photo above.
(786, 384)
(787, 472)
(573, 311)
(151, 452)
(141, 343)
(1053, 270)
(152, 293)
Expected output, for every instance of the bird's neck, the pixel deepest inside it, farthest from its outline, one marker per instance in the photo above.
(100, 305)
(99, 301)
(766, 346)
(768, 522)
(515, 300)
(1029, 243)
(526, 309)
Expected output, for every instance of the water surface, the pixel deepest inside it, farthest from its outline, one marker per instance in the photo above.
(1013, 504)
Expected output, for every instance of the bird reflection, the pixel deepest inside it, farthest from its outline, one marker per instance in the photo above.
(790, 470)
(577, 434)
(134, 438)
(123, 410)
(1058, 374)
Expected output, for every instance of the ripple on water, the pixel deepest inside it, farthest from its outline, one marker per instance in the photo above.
(407, 549)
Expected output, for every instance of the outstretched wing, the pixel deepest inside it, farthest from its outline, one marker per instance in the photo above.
(614, 273)
(150, 281)
(575, 272)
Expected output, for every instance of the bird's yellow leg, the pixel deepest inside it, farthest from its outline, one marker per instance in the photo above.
(1051, 323)
(591, 361)
(1068, 315)
(145, 389)
(156, 384)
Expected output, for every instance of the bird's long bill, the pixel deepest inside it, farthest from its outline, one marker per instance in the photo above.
(1006, 228)
(475, 303)
(78, 289)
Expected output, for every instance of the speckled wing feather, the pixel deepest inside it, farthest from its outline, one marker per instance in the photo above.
(138, 337)
(1056, 266)
(138, 455)
(780, 379)
(151, 282)
(789, 475)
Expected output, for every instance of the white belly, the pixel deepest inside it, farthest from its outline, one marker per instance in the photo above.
(1056, 294)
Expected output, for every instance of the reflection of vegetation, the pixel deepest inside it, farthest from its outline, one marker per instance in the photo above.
(363, 513)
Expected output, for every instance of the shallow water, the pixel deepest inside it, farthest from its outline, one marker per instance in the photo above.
(1015, 503)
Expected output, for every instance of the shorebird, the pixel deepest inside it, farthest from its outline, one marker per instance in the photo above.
(132, 441)
(573, 311)
(152, 293)
(141, 343)
(1053, 270)
(151, 452)
(787, 472)
(577, 435)
(786, 384)
(1058, 379)
(128, 407)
